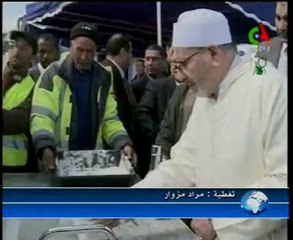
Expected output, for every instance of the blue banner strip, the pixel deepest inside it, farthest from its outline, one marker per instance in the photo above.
(127, 195)
(140, 211)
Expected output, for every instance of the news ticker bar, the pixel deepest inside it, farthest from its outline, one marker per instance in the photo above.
(144, 203)
(277, 211)
(129, 195)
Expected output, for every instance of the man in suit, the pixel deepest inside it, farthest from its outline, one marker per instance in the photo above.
(275, 50)
(119, 55)
(176, 117)
(47, 53)
(155, 63)
(149, 114)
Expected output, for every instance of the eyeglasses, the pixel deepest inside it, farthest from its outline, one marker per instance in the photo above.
(180, 64)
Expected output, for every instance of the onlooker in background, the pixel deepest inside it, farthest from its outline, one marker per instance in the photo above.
(139, 69)
(154, 61)
(275, 50)
(17, 88)
(149, 114)
(176, 115)
(119, 49)
(47, 53)
(73, 106)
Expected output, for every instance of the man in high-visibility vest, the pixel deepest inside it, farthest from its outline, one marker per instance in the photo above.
(73, 106)
(17, 89)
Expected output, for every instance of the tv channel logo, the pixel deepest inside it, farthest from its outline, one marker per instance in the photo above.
(257, 35)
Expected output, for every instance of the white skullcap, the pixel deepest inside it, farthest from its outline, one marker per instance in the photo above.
(201, 28)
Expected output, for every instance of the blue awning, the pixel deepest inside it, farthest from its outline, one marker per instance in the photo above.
(138, 19)
(259, 11)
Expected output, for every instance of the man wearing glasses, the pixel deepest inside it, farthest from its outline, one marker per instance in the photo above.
(17, 89)
(236, 136)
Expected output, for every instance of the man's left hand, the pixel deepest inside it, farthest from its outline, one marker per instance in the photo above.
(128, 152)
(203, 228)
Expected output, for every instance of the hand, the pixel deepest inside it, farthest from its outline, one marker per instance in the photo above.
(127, 152)
(48, 160)
(203, 228)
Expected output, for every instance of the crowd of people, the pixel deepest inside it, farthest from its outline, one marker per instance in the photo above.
(220, 117)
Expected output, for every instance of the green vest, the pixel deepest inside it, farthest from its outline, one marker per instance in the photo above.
(14, 147)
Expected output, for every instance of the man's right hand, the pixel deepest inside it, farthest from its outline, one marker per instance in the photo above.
(48, 160)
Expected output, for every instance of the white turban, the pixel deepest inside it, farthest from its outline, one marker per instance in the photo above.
(201, 28)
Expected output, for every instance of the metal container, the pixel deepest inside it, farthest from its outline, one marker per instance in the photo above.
(80, 168)
(156, 156)
(106, 233)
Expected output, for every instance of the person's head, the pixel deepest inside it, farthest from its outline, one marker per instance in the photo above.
(47, 49)
(23, 49)
(281, 19)
(139, 67)
(102, 55)
(154, 60)
(119, 48)
(84, 41)
(204, 56)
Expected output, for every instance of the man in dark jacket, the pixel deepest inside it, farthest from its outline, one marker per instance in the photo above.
(155, 63)
(17, 88)
(176, 118)
(177, 113)
(149, 114)
(119, 56)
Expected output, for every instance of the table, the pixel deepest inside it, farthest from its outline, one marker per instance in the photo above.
(50, 180)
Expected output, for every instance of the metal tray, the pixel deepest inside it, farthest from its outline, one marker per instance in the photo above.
(86, 168)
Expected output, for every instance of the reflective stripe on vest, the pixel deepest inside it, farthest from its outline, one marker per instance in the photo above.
(14, 150)
(19, 144)
(63, 123)
(44, 112)
(14, 147)
(59, 144)
(115, 118)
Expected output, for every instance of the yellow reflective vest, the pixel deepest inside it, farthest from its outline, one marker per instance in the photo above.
(14, 147)
(53, 110)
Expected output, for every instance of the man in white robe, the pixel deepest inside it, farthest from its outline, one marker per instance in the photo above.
(236, 136)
